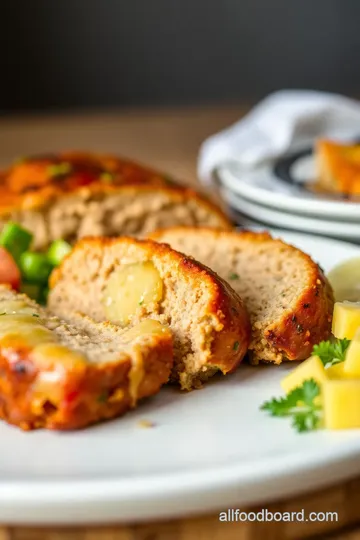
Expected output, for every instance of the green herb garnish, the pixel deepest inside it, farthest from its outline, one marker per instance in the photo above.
(331, 352)
(60, 169)
(234, 275)
(236, 346)
(107, 177)
(35, 315)
(299, 405)
(141, 302)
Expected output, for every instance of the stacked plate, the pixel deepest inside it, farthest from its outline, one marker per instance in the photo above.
(280, 194)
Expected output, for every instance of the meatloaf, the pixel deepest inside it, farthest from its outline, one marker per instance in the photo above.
(72, 195)
(126, 280)
(289, 300)
(67, 374)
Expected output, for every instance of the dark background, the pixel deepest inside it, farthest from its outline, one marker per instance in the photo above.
(113, 53)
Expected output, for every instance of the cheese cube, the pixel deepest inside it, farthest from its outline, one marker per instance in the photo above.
(337, 372)
(312, 368)
(341, 402)
(352, 358)
(346, 319)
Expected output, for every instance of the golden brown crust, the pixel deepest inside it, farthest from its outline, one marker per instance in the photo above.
(88, 393)
(65, 391)
(308, 321)
(37, 182)
(231, 333)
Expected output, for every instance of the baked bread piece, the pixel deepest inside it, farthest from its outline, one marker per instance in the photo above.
(126, 280)
(338, 167)
(66, 375)
(72, 195)
(289, 300)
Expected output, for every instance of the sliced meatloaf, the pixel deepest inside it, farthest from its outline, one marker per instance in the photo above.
(67, 374)
(126, 281)
(72, 195)
(289, 300)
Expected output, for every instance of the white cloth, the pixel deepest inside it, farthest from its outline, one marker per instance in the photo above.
(284, 121)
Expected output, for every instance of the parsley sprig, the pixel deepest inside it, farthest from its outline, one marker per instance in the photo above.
(300, 404)
(331, 352)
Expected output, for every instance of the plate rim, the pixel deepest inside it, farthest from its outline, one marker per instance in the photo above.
(226, 175)
(274, 217)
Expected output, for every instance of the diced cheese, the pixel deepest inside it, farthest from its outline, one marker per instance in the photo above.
(341, 402)
(312, 368)
(352, 358)
(130, 288)
(337, 372)
(346, 319)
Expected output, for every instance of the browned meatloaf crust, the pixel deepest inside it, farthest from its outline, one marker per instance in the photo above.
(289, 300)
(210, 325)
(63, 375)
(72, 195)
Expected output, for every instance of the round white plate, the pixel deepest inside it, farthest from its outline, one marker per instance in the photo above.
(209, 450)
(336, 229)
(263, 186)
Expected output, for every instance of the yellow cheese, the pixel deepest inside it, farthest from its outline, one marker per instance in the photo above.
(346, 319)
(341, 402)
(134, 286)
(16, 307)
(146, 327)
(352, 357)
(337, 372)
(312, 368)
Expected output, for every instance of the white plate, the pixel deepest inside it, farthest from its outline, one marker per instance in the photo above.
(263, 186)
(336, 229)
(211, 449)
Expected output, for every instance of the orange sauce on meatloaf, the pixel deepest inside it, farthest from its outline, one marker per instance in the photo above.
(55, 174)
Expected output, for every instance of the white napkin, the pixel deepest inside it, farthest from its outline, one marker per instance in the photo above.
(284, 121)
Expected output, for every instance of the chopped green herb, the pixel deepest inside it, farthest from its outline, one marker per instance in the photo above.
(141, 302)
(331, 352)
(103, 397)
(107, 177)
(15, 239)
(4, 313)
(57, 251)
(233, 276)
(35, 315)
(236, 346)
(35, 267)
(299, 405)
(60, 169)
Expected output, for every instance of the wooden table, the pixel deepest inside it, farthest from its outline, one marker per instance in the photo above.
(169, 140)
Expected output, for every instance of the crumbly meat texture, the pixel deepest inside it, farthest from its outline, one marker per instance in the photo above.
(73, 195)
(68, 374)
(210, 325)
(289, 300)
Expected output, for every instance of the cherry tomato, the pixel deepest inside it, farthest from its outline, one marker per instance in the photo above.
(9, 271)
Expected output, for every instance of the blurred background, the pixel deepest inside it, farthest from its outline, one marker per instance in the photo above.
(81, 54)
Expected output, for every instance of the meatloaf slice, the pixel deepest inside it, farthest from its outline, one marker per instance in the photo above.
(73, 195)
(68, 374)
(289, 300)
(104, 277)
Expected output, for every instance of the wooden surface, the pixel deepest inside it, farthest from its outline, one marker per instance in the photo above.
(170, 141)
